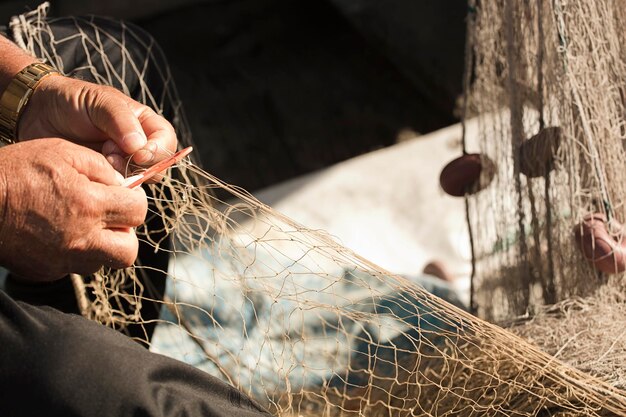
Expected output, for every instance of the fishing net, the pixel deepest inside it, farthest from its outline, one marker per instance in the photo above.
(307, 327)
(548, 81)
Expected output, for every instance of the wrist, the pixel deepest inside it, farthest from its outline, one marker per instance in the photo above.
(15, 97)
(12, 60)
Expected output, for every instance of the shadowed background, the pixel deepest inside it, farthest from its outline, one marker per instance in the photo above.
(274, 89)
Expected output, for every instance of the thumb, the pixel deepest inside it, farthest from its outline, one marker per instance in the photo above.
(93, 165)
(113, 116)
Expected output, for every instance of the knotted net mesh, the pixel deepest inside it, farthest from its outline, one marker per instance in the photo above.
(306, 326)
(548, 90)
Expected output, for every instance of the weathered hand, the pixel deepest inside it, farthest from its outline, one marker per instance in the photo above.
(101, 118)
(62, 210)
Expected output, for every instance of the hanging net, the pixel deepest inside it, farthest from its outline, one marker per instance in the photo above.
(548, 80)
(307, 327)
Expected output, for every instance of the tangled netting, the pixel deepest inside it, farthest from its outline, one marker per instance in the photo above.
(548, 82)
(306, 326)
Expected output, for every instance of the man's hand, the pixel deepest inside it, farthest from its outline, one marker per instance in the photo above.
(101, 118)
(63, 211)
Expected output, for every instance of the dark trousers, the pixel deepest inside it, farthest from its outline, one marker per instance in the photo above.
(57, 364)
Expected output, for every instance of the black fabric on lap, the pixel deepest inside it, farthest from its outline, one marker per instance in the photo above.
(57, 364)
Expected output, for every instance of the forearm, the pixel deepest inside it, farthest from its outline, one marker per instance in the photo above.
(12, 60)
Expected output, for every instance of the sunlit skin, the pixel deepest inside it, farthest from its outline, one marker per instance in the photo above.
(64, 209)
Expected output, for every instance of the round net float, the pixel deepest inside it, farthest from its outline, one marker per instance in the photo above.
(467, 174)
(537, 153)
(605, 250)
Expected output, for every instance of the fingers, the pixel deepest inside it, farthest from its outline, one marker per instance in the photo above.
(162, 140)
(119, 163)
(66, 211)
(87, 162)
(121, 247)
(133, 129)
(124, 208)
(102, 118)
(113, 114)
(114, 244)
(113, 248)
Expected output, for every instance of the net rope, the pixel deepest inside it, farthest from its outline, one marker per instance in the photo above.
(307, 327)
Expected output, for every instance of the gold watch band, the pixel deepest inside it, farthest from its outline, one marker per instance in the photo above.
(16, 96)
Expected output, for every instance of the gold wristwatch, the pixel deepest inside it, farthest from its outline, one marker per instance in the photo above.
(17, 94)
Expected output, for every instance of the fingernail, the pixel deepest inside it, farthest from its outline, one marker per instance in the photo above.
(146, 155)
(120, 178)
(117, 162)
(110, 147)
(134, 140)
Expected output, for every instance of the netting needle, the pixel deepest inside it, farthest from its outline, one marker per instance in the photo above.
(137, 180)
